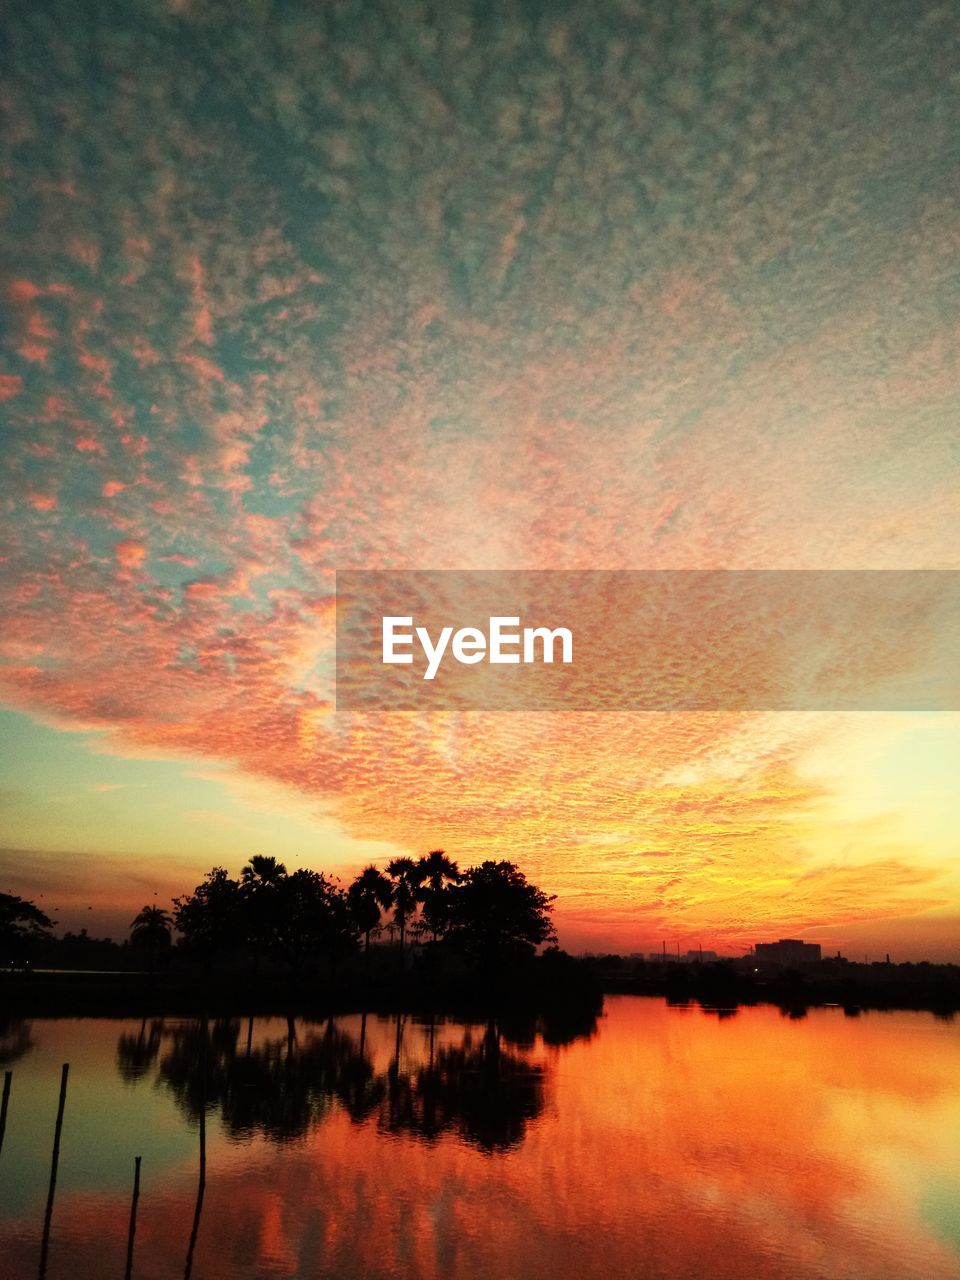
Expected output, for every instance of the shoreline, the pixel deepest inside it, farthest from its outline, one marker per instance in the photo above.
(67, 993)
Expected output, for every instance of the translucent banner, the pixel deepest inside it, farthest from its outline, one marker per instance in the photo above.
(648, 640)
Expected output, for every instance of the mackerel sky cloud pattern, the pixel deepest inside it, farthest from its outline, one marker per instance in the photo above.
(292, 289)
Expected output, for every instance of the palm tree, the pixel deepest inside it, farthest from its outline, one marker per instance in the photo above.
(259, 880)
(369, 896)
(407, 878)
(151, 928)
(437, 871)
(262, 869)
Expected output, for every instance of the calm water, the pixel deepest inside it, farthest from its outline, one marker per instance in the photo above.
(662, 1143)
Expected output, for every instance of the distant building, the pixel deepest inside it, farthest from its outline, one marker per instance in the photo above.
(787, 951)
(704, 957)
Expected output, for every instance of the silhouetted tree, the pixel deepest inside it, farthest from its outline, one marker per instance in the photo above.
(260, 895)
(313, 919)
(262, 869)
(437, 872)
(343, 935)
(407, 878)
(369, 896)
(22, 925)
(81, 951)
(150, 928)
(496, 915)
(209, 919)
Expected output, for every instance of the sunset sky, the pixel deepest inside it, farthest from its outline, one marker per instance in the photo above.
(291, 289)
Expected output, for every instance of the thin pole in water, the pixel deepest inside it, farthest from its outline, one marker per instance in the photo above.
(133, 1217)
(48, 1216)
(7, 1078)
(202, 1173)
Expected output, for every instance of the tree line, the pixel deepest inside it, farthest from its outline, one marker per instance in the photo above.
(489, 914)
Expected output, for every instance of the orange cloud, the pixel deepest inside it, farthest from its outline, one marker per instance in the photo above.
(10, 385)
(129, 553)
(43, 501)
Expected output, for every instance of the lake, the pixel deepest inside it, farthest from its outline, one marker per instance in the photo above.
(659, 1141)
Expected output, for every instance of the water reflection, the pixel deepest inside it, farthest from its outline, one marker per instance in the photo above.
(672, 1142)
(136, 1053)
(282, 1086)
(479, 1091)
(16, 1040)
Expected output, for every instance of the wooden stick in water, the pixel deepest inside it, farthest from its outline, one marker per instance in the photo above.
(7, 1078)
(51, 1194)
(202, 1170)
(133, 1217)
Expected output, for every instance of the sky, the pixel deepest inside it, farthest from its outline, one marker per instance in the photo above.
(292, 289)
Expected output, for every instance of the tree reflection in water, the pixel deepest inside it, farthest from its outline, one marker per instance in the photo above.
(281, 1088)
(481, 1092)
(16, 1040)
(136, 1054)
(485, 1089)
